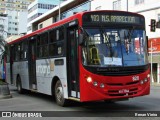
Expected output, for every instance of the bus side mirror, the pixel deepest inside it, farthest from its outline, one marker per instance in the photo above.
(81, 39)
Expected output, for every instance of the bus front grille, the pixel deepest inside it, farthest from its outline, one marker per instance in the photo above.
(123, 84)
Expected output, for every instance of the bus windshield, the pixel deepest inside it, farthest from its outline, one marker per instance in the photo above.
(114, 47)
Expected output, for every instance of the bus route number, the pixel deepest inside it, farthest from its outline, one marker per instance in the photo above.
(95, 18)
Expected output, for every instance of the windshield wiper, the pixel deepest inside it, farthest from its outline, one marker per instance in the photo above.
(84, 32)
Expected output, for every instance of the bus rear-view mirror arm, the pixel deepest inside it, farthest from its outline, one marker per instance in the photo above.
(81, 39)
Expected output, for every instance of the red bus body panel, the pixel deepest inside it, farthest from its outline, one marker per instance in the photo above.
(113, 85)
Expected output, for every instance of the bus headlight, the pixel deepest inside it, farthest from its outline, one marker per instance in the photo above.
(95, 83)
(102, 85)
(148, 76)
(89, 79)
(145, 80)
(142, 82)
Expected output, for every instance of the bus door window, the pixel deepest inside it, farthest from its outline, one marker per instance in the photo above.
(73, 60)
(33, 52)
(12, 59)
(72, 55)
(31, 62)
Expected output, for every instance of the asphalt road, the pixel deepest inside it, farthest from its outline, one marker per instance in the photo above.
(38, 102)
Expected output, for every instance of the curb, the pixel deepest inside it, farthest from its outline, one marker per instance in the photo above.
(4, 91)
(5, 96)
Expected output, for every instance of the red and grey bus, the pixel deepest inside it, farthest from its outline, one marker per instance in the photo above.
(90, 56)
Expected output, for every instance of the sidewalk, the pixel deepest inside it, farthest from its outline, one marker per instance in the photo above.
(155, 84)
(5, 91)
(12, 87)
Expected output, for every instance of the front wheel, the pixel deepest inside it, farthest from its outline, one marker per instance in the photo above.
(59, 94)
(109, 101)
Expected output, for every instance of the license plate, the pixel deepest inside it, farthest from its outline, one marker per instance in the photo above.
(124, 91)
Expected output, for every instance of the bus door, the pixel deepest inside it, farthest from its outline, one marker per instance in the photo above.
(72, 62)
(32, 63)
(12, 55)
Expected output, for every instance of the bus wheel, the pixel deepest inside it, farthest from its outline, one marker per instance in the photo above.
(19, 85)
(109, 101)
(59, 95)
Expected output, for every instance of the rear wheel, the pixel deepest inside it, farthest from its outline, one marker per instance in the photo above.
(59, 94)
(19, 85)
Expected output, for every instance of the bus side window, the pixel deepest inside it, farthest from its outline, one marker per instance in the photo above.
(56, 42)
(52, 36)
(8, 53)
(17, 51)
(42, 45)
(21, 51)
(61, 33)
(26, 50)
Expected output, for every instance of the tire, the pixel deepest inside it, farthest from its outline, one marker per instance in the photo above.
(59, 94)
(19, 85)
(109, 101)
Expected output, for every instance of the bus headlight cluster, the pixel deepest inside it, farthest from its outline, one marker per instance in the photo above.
(143, 81)
(148, 76)
(95, 83)
(101, 85)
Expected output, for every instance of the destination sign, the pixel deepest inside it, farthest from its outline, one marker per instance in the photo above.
(128, 19)
(107, 18)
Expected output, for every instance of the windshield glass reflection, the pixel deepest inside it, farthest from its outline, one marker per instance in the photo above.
(114, 47)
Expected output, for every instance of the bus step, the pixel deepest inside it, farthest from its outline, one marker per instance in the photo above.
(75, 99)
(33, 90)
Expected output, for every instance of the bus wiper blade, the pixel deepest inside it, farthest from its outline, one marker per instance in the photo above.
(84, 31)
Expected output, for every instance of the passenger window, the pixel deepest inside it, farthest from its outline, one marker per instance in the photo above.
(56, 42)
(52, 36)
(42, 45)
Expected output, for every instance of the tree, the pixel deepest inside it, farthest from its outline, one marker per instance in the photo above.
(2, 41)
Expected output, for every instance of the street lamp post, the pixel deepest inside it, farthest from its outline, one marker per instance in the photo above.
(59, 9)
(151, 62)
(90, 5)
(127, 5)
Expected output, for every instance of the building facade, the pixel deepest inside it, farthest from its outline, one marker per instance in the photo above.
(37, 8)
(15, 10)
(67, 8)
(3, 26)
